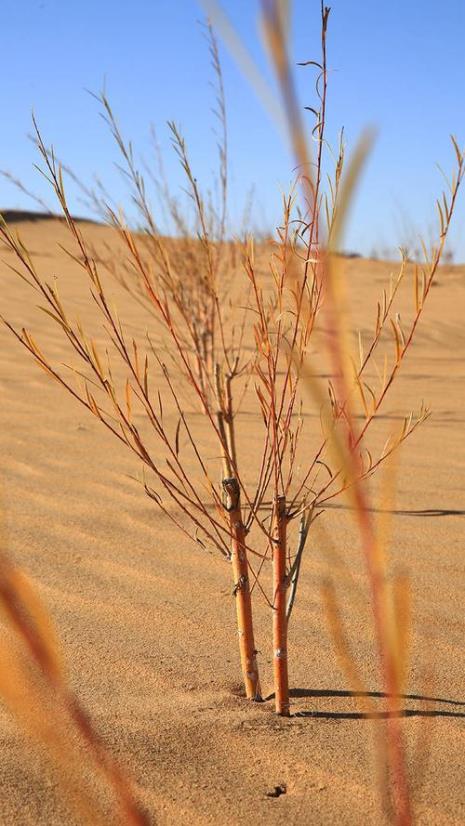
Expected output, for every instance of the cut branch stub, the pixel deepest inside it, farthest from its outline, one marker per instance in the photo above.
(241, 591)
(280, 586)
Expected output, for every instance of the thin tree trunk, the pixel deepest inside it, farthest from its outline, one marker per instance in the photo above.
(280, 585)
(242, 591)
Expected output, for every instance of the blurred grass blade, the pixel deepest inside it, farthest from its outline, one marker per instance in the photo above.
(245, 62)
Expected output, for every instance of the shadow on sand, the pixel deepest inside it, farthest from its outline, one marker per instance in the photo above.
(375, 715)
(424, 512)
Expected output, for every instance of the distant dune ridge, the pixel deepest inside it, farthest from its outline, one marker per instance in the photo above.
(20, 216)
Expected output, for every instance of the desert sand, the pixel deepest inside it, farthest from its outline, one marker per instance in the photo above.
(147, 619)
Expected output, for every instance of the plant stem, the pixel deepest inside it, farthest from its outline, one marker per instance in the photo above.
(293, 575)
(280, 585)
(247, 648)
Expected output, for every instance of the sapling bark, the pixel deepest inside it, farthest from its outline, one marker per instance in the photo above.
(280, 586)
(241, 591)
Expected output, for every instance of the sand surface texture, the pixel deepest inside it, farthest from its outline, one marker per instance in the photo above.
(147, 619)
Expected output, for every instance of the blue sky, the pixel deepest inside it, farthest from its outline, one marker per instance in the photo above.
(398, 66)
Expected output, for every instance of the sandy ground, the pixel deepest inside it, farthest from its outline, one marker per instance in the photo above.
(148, 623)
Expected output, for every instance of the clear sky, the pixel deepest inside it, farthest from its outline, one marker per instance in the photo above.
(397, 65)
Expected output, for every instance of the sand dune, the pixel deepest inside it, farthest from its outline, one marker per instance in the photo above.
(148, 622)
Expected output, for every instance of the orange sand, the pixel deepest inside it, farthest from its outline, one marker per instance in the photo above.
(147, 620)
